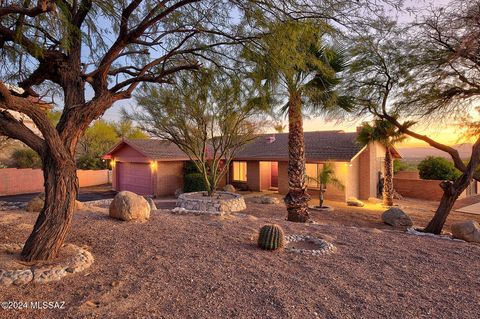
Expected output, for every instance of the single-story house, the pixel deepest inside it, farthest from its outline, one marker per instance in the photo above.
(154, 167)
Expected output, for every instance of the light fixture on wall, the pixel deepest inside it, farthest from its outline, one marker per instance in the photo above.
(112, 163)
(153, 165)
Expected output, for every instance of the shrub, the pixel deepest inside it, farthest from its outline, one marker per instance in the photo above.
(89, 162)
(271, 237)
(26, 158)
(190, 168)
(399, 166)
(194, 182)
(438, 168)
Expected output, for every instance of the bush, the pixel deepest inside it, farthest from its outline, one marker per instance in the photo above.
(190, 168)
(400, 166)
(438, 168)
(194, 182)
(26, 158)
(88, 162)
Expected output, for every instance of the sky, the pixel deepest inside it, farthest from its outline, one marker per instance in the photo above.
(448, 134)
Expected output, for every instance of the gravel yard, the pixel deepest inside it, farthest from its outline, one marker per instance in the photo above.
(186, 266)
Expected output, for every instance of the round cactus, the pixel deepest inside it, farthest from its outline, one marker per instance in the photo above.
(271, 237)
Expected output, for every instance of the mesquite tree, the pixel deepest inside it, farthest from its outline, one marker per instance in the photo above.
(94, 53)
(209, 117)
(432, 72)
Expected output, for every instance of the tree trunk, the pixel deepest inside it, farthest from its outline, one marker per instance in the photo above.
(54, 221)
(297, 198)
(451, 192)
(321, 195)
(388, 185)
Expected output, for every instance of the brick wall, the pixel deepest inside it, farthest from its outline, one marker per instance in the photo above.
(407, 175)
(418, 188)
(22, 181)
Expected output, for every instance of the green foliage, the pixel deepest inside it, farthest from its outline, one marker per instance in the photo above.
(437, 168)
(26, 158)
(271, 237)
(400, 166)
(382, 131)
(294, 58)
(100, 137)
(87, 162)
(194, 182)
(327, 177)
(190, 168)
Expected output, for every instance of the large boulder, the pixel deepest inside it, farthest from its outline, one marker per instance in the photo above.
(36, 204)
(129, 206)
(468, 231)
(396, 217)
(265, 200)
(352, 201)
(229, 188)
(151, 203)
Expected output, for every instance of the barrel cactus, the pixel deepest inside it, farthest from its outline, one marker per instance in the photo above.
(271, 237)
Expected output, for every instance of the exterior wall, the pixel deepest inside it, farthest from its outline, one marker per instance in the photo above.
(352, 184)
(168, 176)
(370, 164)
(23, 181)
(253, 176)
(128, 154)
(265, 175)
(418, 188)
(283, 178)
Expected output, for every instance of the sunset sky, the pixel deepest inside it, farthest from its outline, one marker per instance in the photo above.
(448, 134)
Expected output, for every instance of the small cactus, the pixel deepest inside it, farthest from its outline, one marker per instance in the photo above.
(271, 237)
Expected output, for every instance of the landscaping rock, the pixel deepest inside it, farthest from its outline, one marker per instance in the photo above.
(265, 200)
(178, 192)
(151, 203)
(36, 204)
(129, 206)
(352, 201)
(468, 231)
(396, 217)
(229, 188)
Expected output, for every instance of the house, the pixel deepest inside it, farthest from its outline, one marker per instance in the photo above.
(154, 167)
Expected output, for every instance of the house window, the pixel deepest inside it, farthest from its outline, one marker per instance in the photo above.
(312, 170)
(240, 171)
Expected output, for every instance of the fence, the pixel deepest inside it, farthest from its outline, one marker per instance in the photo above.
(25, 180)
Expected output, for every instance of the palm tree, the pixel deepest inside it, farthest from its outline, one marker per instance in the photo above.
(326, 177)
(292, 64)
(388, 135)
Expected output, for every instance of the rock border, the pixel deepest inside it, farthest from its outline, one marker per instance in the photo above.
(43, 274)
(210, 205)
(325, 247)
(321, 209)
(413, 231)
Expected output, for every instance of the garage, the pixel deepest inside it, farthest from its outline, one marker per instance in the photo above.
(135, 177)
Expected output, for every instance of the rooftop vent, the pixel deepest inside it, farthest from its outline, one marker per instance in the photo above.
(270, 139)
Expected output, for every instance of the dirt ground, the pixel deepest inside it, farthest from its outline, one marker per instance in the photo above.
(187, 266)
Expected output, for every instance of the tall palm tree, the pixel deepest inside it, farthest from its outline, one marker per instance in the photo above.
(293, 65)
(325, 177)
(388, 135)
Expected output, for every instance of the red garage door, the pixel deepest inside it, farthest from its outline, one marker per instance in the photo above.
(135, 177)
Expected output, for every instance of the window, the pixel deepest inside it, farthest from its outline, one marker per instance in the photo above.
(312, 170)
(240, 171)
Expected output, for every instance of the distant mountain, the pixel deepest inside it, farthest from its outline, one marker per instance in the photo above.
(415, 153)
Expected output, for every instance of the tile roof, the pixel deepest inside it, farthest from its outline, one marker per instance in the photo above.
(319, 146)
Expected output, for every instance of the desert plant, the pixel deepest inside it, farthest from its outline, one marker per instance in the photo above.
(194, 182)
(437, 168)
(26, 158)
(325, 177)
(271, 237)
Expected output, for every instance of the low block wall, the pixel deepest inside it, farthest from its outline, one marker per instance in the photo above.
(420, 188)
(25, 180)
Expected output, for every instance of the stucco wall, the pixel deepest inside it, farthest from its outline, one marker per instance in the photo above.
(22, 181)
(283, 177)
(253, 175)
(352, 185)
(168, 176)
(265, 175)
